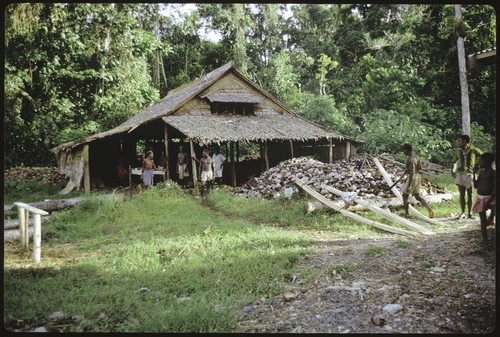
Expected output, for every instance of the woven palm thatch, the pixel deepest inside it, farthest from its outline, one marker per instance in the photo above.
(221, 128)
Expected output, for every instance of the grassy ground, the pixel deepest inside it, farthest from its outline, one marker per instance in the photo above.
(162, 261)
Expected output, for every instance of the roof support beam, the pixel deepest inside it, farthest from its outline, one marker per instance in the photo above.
(86, 170)
(193, 164)
(165, 140)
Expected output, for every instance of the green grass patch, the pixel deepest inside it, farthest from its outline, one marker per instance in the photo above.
(340, 269)
(376, 251)
(400, 243)
(282, 212)
(156, 262)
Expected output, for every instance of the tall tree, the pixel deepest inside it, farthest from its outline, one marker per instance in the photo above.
(232, 20)
(464, 88)
(71, 70)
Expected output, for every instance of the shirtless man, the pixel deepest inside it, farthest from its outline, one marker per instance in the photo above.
(412, 184)
(182, 166)
(148, 167)
(207, 169)
(464, 162)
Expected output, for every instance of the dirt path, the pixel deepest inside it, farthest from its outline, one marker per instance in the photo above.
(443, 283)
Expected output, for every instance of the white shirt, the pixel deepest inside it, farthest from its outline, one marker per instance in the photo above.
(218, 160)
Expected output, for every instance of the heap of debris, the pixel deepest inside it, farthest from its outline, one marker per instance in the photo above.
(44, 175)
(356, 174)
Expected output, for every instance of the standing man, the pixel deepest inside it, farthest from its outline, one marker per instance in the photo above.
(218, 161)
(207, 168)
(181, 166)
(464, 162)
(413, 180)
(148, 167)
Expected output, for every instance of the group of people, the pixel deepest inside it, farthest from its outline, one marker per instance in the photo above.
(471, 169)
(210, 169)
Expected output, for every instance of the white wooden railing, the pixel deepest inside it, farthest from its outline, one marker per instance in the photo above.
(24, 215)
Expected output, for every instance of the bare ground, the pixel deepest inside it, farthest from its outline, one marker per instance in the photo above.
(439, 284)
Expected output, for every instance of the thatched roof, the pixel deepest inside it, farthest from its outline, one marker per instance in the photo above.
(221, 128)
(206, 128)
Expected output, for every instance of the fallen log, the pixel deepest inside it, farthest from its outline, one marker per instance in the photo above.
(14, 223)
(396, 192)
(59, 204)
(352, 215)
(383, 212)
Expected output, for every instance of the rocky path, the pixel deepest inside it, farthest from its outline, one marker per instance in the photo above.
(443, 283)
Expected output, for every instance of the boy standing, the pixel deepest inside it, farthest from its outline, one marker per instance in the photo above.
(485, 185)
(413, 181)
(464, 161)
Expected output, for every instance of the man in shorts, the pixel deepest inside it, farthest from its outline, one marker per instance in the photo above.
(464, 162)
(413, 180)
(207, 169)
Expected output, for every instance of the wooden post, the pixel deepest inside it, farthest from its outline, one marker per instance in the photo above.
(130, 179)
(86, 170)
(165, 139)
(233, 167)
(193, 164)
(237, 151)
(26, 228)
(37, 238)
(266, 159)
(330, 151)
(22, 226)
(291, 148)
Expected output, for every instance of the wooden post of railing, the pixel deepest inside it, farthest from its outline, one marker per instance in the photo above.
(22, 226)
(23, 211)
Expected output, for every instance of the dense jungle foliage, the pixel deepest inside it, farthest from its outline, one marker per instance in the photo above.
(386, 74)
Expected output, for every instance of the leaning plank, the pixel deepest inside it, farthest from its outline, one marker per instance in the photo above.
(398, 194)
(383, 212)
(352, 215)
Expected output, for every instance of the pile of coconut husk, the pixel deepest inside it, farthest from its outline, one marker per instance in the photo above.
(356, 174)
(45, 175)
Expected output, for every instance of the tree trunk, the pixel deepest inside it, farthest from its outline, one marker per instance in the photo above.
(464, 89)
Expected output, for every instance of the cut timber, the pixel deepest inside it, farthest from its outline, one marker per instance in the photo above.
(378, 202)
(352, 215)
(398, 194)
(383, 212)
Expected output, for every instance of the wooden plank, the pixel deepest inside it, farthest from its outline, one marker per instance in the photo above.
(396, 192)
(86, 168)
(330, 151)
(349, 214)
(266, 158)
(165, 140)
(193, 164)
(383, 212)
